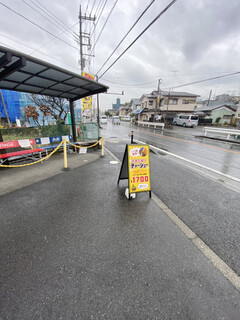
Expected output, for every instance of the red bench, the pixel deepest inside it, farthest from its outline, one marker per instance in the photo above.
(14, 155)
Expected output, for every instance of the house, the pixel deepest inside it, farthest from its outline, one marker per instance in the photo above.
(135, 105)
(219, 112)
(168, 103)
(113, 112)
(124, 111)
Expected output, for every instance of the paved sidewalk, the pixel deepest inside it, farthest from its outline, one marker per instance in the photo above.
(17, 178)
(73, 247)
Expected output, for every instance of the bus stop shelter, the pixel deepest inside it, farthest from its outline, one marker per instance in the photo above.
(23, 73)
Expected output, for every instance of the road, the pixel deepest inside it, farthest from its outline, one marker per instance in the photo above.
(220, 156)
(205, 201)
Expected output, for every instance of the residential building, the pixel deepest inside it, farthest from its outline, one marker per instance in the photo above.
(124, 111)
(225, 112)
(168, 103)
(135, 105)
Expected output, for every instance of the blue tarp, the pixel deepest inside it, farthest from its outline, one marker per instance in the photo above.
(138, 111)
(11, 100)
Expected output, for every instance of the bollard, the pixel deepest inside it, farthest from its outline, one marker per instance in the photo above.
(65, 153)
(131, 137)
(102, 147)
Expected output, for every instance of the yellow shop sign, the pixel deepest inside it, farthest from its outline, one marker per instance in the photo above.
(136, 168)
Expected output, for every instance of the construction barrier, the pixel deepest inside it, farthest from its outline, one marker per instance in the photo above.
(64, 142)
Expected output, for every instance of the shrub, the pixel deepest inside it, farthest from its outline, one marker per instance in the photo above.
(217, 120)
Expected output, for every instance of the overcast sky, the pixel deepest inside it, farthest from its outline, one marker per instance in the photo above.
(193, 40)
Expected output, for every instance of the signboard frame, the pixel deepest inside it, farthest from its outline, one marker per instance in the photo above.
(136, 168)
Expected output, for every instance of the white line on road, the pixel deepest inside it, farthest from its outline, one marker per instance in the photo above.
(192, 162)
(226, 271)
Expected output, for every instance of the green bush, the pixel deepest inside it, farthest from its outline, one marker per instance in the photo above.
(217, 120)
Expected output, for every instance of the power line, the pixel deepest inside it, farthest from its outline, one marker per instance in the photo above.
(26, 46)
(52, 22)
(130, 85)
(37, 25)
(209, 79)
(126, 35)
(153, 21)
(91, 32)
(51, 40)
(53, 16)
(104, 26)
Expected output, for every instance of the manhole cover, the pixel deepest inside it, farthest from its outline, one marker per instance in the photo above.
(113, 162)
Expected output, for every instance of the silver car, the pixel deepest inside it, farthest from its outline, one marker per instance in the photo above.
(115, 120)
(186, 120)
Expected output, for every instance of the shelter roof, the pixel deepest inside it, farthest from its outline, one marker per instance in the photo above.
(21, 72)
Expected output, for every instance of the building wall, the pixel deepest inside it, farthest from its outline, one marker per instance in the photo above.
(149, 103)
(224, 114)
(179, 104)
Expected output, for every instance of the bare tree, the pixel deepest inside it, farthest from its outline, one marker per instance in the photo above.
(31, 112)
(56, 107)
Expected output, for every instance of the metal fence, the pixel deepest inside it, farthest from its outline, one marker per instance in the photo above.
(84, 132)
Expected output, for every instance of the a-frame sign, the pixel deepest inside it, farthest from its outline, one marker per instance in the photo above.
(136, 168)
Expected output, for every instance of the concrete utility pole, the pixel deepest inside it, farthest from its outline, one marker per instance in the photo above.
(159, 92)
(83, 36)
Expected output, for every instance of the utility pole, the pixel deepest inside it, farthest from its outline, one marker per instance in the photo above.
(159, 92)
(84, 38)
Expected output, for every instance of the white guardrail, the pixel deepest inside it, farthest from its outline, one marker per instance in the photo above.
(228, 132)
(151, 124)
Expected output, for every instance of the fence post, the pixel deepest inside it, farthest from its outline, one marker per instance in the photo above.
(65, 153)
(102, 147)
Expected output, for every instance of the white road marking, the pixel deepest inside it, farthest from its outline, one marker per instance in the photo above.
(192, 162)
(218, 263)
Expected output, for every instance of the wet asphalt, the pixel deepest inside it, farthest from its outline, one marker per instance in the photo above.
(73, 247)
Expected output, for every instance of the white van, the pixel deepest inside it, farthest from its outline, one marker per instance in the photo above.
(186, 120)
(103, 119)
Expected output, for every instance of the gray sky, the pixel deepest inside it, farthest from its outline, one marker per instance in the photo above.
(193, 40)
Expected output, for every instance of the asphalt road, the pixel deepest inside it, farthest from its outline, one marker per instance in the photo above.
(220, 156)
(73, 247)
(206, 205)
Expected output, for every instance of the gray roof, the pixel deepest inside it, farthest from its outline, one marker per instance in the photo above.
(216, 105)
(176, 94)
(23, 73)
(135, 101)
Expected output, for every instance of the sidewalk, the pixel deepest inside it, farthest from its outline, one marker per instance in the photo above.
(73, 247)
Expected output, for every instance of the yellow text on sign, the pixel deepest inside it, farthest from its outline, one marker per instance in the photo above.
(138, 168)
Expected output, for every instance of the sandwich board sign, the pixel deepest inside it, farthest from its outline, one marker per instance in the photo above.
(136, 168)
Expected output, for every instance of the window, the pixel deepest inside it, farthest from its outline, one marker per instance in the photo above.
(150, 102)
(173, 101)
(187, 101)
(227, 116)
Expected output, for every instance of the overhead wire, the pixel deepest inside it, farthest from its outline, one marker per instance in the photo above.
(51, 40)
(91, 32)
(126, 34)
(100, 33)
(53, 16)
(149, 25)
(209, 79)
(52, 22)
(37, 25)
(43, 53)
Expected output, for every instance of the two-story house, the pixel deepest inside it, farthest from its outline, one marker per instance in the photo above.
(167, 103)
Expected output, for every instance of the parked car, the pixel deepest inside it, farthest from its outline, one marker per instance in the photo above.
(126, 118)
(103, 119)
(186, 120)
(115, 120)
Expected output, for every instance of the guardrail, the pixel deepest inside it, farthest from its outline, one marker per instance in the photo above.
(228, 132)
(151, 124)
